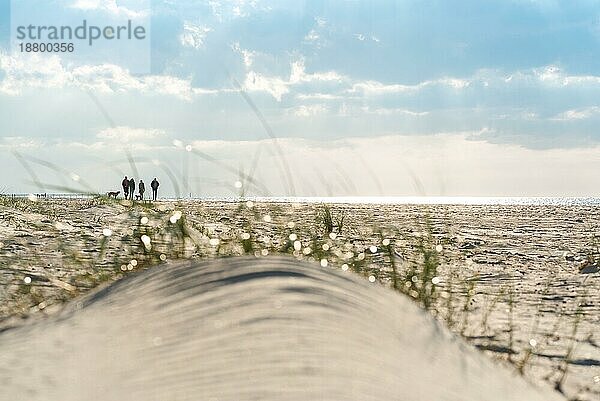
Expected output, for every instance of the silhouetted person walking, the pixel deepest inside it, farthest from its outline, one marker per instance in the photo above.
(141, 189)
(125, 185)
(154, 185)
(131, 188)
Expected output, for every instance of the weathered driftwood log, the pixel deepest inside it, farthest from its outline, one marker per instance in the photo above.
(247, 329)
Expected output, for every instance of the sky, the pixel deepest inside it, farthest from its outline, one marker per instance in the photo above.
(313, 98)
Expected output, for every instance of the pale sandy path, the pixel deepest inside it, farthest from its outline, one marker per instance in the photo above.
(247, 329)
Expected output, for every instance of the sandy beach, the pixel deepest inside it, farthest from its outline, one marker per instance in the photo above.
(505, 277)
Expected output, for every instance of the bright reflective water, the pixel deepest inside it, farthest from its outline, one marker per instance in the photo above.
(428, 200)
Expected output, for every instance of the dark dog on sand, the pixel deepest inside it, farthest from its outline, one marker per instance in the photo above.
(113, 194)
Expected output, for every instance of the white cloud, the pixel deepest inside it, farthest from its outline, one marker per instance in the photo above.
(237, 12)
(548, 73)
(445, 164)
(308, 111)
(361, 37)
(126, 134)
(321, 22)
(578, 114)
(193, 35)
(454, 163)
(553, 75)
(392, 111)
(319, 96)
(232, 9)
(377, 88)
(110, 78)
(112, 7)
(82, 146)
(311, 36)
(203, 91)
(455, 83)
(104, 78)
(275, 86)
(247, 55)
(32, 71)
(581, 80)
(168, 85)
(278, 86)
(299, 74)
(20, 142)
(318, 35)
(37, 72)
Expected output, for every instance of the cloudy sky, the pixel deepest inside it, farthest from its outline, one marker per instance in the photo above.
(457, 98)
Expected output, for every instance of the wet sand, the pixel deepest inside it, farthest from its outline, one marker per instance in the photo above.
(508, 277)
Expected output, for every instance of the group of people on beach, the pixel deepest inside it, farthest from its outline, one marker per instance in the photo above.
(129, 188)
